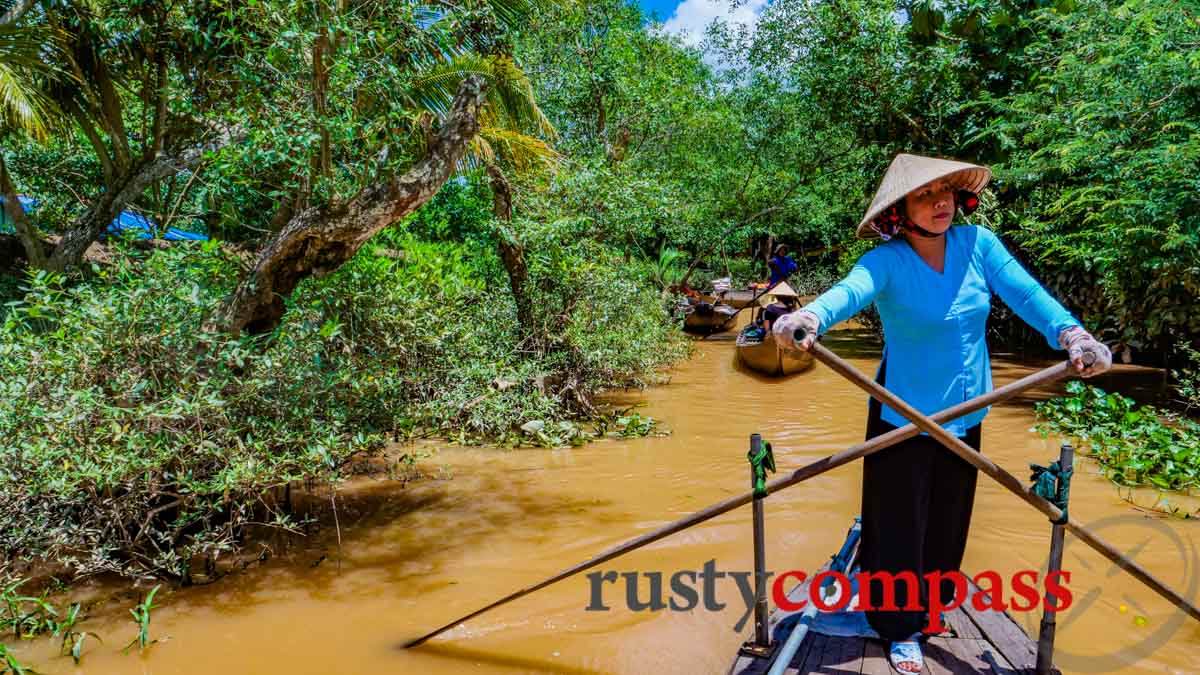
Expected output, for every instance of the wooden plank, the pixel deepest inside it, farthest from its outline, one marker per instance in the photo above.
(810, 644)
(1005, 634)
(999, 629)
(938, 659)
(976, 656)
(875, 659)
(835, 655)
(853, 650)
(961, 625)
(943, 656)
(809, 654)
(850, 660)
(748, 665)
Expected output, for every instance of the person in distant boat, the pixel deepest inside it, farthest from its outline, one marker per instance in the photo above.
(932, 284)
(782, 306)
(781, 264)
(783, 302)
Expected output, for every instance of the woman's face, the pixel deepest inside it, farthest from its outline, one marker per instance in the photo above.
(932, 206)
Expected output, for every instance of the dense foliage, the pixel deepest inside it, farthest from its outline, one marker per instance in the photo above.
(1102, 148)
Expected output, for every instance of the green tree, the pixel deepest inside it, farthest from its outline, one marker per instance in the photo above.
(1103, 149)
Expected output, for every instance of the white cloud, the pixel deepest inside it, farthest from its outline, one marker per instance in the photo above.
(692, 17)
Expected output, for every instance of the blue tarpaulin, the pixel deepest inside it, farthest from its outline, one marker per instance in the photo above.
(143, 228)
(27, 204)
(136, 225)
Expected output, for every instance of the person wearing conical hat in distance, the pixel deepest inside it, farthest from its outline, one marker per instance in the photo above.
(932, 285)
(780, 301)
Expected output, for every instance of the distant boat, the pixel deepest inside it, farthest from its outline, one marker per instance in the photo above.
(133, 224)
(758, 350)
(734, 298)
(706, 318)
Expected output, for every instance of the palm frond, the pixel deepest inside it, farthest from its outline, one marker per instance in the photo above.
(510, 13)
(516, 149)
(479, 154)
(515, 93)
(22, 105)
(27, 55)
(33, 47)
(510, 97)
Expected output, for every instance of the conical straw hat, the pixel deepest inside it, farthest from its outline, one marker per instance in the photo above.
(909, 172)
(780, 290)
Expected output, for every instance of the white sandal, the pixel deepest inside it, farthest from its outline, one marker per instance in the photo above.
(906, 652)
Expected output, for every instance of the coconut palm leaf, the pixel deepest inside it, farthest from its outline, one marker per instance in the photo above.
(510, 13)
(24, 68)
(510, 101)
(516, 149)
(513, 129)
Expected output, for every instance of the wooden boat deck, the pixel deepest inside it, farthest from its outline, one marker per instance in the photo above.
(986, 642)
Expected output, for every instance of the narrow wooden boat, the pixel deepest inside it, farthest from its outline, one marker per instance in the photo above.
(706, 318)
(977, 641)
(738, 299)
(761, 354)
(735, 299)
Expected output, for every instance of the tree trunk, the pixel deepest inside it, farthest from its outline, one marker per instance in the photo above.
(317, 240)
(14, 213)
(687, 275)
(511, 250)
(320, 108)
(767, 252)
(127, 188)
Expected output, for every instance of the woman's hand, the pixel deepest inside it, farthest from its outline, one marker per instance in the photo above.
(786, 325)
(1088, 355)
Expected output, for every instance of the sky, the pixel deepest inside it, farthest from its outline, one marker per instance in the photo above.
(688, 18)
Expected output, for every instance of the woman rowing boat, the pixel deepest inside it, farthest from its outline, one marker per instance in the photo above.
(932, 285)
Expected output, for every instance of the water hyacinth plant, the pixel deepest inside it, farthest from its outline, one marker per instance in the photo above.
(1134, 445)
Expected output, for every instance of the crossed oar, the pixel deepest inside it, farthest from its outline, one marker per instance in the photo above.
(929, 424)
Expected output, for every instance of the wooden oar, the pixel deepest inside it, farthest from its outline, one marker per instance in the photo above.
(804, 473)
(931, 426)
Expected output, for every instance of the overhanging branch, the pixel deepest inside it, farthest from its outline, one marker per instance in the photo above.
(318, 240)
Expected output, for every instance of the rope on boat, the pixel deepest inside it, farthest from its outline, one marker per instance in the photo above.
(761, 462)
(1053, 483)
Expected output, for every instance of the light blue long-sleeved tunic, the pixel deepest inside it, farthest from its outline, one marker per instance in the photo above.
(934, 324)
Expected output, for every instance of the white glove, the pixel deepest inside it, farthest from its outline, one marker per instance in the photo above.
(786, 325)
(1079, 345)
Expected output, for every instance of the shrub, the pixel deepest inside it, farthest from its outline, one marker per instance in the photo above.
(133, 441)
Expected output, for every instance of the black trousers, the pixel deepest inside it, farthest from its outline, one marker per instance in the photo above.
(916, 511)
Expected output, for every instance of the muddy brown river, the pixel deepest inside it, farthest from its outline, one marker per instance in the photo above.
(488, 521)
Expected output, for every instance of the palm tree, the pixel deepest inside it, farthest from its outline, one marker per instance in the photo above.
(24, 67)
(488, 116)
